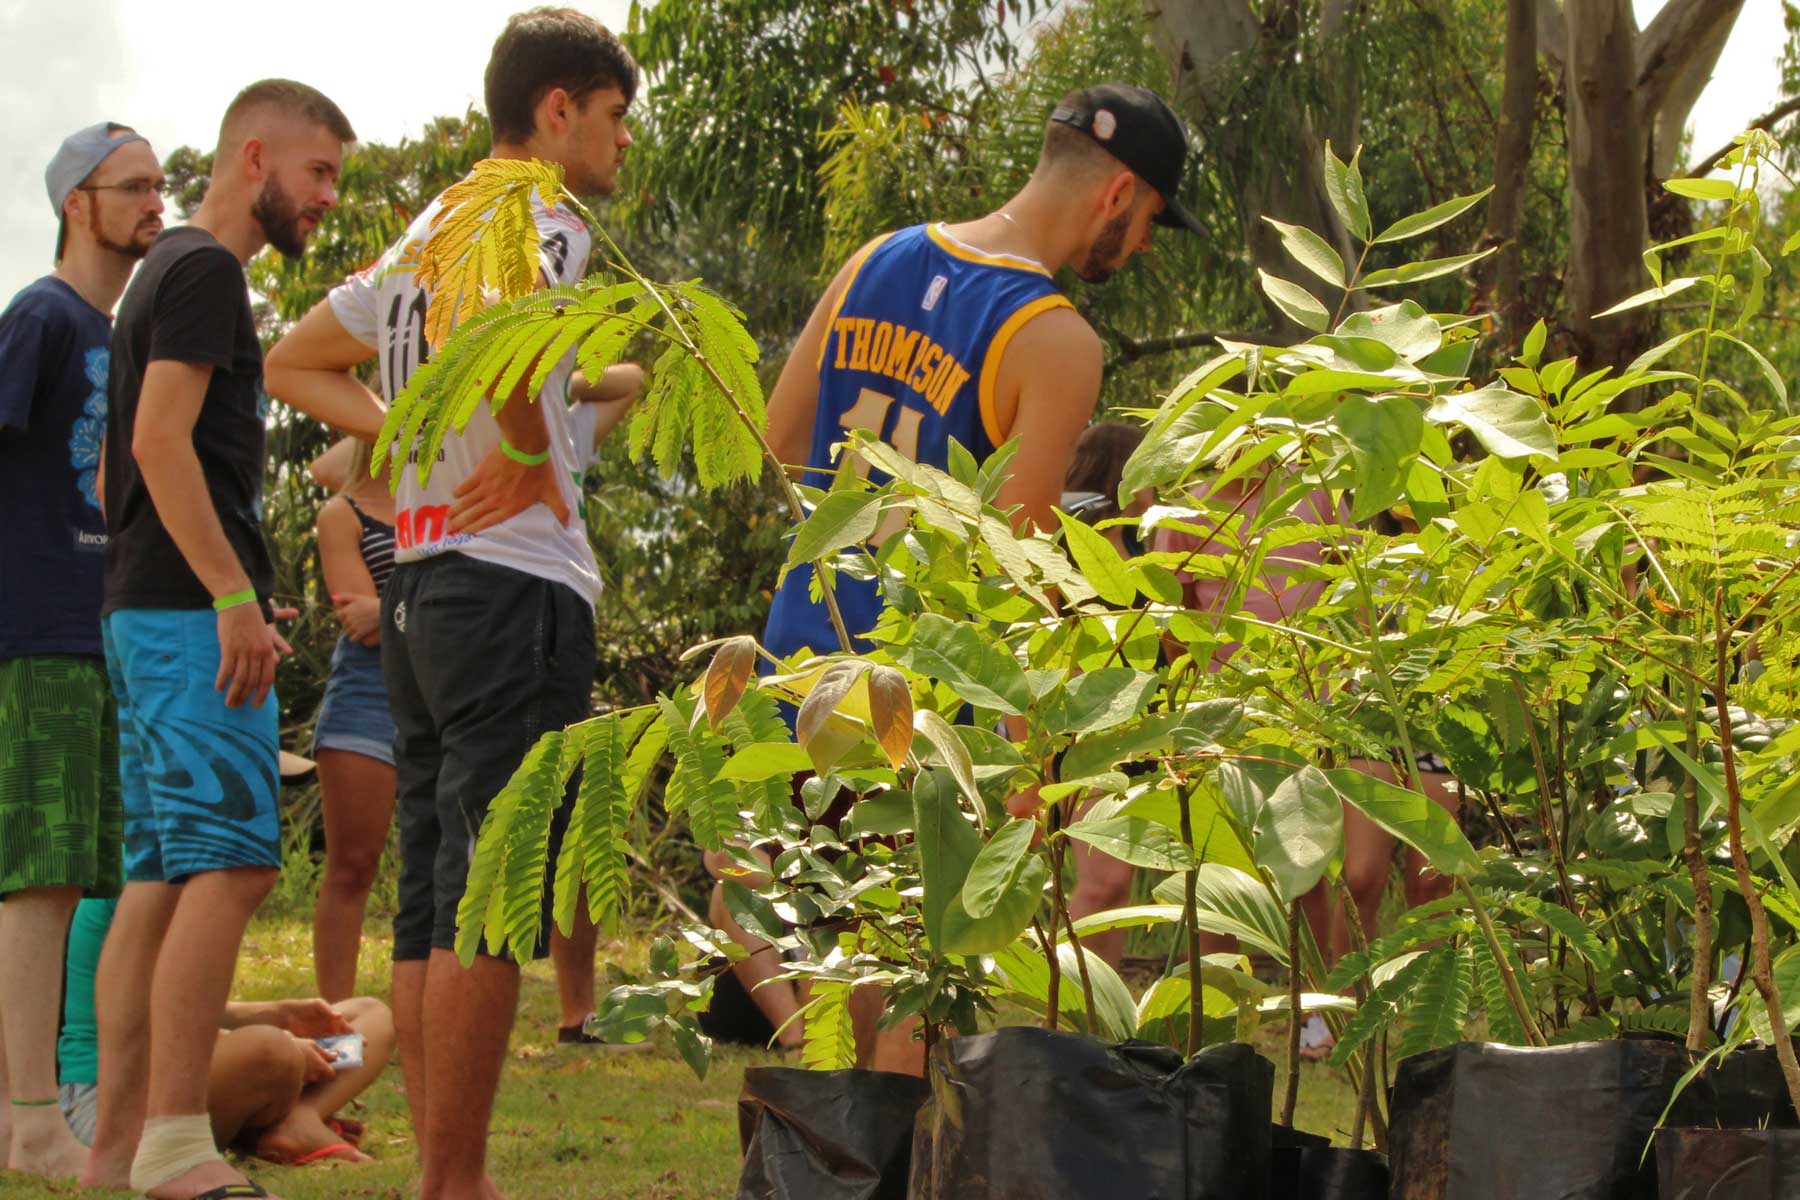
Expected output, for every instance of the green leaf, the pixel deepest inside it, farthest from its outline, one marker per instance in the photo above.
(1439, 1006)
(1233, 902)
(1651, 296)
(1136, 841)
(1105, 571)
(1299, 830)
(1534, 344)
(1407, 328)
(979, 668)
(1300, 306)
(996, 867)
(765, 760)
(1770, 375)
(1419, 822)
(1507, 423)
(1098, 700)
(1431, 218)
(1384, 435)
(1413, 272)
(1344, 188)
(842, 519)
(1701, 189)
(947, 846)
(830, 1035)
(1311, 251)
(1377, 1012)
(951, 751)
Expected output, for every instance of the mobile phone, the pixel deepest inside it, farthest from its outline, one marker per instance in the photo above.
(347, 1049)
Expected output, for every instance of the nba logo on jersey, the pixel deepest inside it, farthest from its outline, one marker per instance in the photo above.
(938, 284)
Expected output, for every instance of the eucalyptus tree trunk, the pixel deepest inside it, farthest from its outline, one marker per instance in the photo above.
(1277, 166)
(1512, 155)
(1629, 94)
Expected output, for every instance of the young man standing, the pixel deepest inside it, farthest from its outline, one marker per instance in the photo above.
(186, 618)
(59, 781)
(488, 632)
(959, 331)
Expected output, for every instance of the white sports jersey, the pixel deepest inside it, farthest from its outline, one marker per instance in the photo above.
(384, 308)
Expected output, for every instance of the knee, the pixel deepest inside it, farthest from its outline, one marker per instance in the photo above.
(271, 1064)
(1367, 881)
(1103, 889)
(375, 1021)
(351, 871)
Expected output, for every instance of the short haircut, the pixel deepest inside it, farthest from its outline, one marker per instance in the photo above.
(113, 130)
(1072, 150)
(546, 48)
(290, 99)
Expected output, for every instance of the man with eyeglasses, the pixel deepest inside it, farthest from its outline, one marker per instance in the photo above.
(60, 816)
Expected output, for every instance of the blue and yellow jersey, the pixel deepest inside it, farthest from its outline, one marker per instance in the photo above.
(912, 353)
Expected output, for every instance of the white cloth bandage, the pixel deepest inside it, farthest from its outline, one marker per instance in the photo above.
(169, 1146)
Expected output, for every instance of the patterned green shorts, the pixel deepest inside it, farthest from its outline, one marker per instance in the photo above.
(61, 822)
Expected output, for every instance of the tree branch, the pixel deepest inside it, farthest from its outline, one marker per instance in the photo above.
(1131, 349)
(1786, 108)
(1679, 33)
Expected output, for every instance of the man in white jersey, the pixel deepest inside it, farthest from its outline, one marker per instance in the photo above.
(488, 629)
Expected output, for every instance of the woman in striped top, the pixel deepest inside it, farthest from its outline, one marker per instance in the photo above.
(353, 738)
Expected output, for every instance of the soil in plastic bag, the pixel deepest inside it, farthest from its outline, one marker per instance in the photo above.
(826, 1135)
(1305, 1166)
(1480, 1121)
(1728, 1164)
(1028, 1114)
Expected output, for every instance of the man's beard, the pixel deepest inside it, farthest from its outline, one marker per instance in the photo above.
(1103, 256)
(279, 217)
(136, 247)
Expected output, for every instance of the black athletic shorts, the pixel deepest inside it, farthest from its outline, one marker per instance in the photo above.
(480, 660)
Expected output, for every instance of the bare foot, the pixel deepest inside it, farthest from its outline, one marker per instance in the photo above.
(198, 1180)
(301, 1133)
(112, 1173)
(46, 1147)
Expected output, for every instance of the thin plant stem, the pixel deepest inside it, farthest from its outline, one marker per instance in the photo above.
(1291, 1097)
(1515, 996)
(1189, 914)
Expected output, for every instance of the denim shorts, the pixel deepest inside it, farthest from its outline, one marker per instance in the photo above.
(354, 714)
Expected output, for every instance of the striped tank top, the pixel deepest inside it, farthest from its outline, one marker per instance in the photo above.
(377, 546)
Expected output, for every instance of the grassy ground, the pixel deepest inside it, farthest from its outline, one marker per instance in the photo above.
(570, 1122)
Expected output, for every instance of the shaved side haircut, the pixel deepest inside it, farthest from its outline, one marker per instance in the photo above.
(545, 48)
(288, 98)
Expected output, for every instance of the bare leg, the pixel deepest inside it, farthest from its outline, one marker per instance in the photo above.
(1368, 864)
(187, 1001)
(5, 1097)
(358, 797)
(777, 999)
(573, 959)
(1423, 884)
(303, 1129)
(254, 1081)
(122, 1014)
(472, 1013)
(33, 925)
(409, 1029)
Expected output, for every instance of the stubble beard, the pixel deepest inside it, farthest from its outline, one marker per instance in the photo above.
(1103, 256)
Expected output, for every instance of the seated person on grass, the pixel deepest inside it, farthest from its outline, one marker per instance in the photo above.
(272, 1091)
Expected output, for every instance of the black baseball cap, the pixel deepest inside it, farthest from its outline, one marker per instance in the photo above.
(1138, 129)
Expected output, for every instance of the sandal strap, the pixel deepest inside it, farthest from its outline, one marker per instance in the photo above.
(248, 1190)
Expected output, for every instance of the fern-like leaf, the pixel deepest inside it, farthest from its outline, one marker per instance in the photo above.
(1503, 1023)
(502, 903)
(484, 239)
(1439, 1006)
(757, 718)
(1375, 1013)
(695, 788)
(1569, 927)
(830, 1035)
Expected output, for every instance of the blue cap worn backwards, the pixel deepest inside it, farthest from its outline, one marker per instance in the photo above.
(79, 154)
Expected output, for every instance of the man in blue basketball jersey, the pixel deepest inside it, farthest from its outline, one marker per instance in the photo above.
(959, 331)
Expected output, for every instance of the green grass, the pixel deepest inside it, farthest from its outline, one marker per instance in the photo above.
(570, 1123)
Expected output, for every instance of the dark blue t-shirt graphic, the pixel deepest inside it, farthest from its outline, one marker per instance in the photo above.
(53, 364)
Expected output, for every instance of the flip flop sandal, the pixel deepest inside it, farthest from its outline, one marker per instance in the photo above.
(351, 1131)
(323, 1152)
(247, 1190)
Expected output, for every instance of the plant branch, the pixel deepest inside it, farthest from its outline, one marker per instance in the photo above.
(1514, 994)
(1292, 1095)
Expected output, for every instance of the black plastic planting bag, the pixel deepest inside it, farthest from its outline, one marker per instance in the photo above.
(1487, 1122)
(1027, 1114)
(1728, 1164)
(826, 1135)
(1749, 1092)
(1304, 1166)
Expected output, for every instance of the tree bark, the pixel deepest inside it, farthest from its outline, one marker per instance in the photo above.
(1608, 220)
(1512, 154)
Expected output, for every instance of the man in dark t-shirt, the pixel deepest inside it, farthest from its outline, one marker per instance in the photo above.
(59, 784)
(186, 617)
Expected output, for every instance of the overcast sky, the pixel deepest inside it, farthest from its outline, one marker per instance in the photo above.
(169, 72)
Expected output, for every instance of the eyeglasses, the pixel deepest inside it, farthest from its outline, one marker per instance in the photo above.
(135, 188)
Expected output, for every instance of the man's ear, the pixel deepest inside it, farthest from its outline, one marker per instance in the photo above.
(1121, 191)
(254, 158)
(553, 111)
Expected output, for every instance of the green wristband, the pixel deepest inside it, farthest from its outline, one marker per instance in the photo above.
(519, 456)
(34, 1103)
(247, 596)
